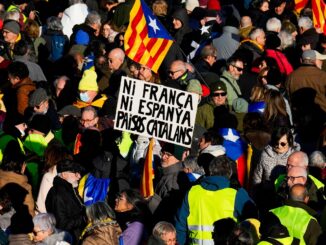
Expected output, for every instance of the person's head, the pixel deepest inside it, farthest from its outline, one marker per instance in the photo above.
(279, 6)
(70, 171)
(39, 101)
(134, 69)
(273, 77)
(219, 93)
(177, 69)
(287, 39)
(263, 5)
(166, 232)
(221, 166)
(116, 58)
(190, 165)
(304, 23)
(209, 54)
(59, 84)
(273, 24)
(54, 153)
(12, 15)
(93, 20)
(235, 67)
(13, 159)
(317, 159)
(98, 212)
(5, 201)
(275, 105)
(44, 226)
(241, 235)
(313, 57)
(297, 159)
(40, 124)
(17, 71)
(210, 138)
(128, 200)
(10, 31)
(160, 8)
(290, 28)
(245, 21)
(281, 139)
(258, 35)
(296, 175)
(168, 155)
(299, 193)
(89, 117)
(258, 93)
(87, 86)
(32, 29)
(254, 121)
(145, 73)
(54, 23)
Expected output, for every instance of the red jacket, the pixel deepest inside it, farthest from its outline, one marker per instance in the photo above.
(282, 62)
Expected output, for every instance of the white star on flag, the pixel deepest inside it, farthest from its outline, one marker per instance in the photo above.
(230, 136)
(204, 29)
(152, 23)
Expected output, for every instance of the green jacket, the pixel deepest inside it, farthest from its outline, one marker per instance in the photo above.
(205, 115)
(231, 93)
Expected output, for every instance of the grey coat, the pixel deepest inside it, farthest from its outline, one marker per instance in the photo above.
(271, 164)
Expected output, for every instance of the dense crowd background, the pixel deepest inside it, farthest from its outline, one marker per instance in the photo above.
(255, 171)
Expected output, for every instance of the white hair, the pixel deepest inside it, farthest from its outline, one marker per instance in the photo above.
(273, 24)
(317, 159)
(12, 15)
(286, 39)
(254, 34)
(305, 23)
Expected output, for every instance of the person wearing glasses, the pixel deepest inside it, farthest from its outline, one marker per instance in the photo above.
(274, 157)
(230, 76)
(218, 98)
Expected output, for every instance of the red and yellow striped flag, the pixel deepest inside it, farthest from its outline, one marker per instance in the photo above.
(299, 5)
(147, 186)
(146, 41)
(319, 14)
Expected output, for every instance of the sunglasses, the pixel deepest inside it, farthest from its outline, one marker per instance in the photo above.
(219, 94)
(281, 144)
(239, 69)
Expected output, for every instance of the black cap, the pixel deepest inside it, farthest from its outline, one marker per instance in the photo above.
(67, 165)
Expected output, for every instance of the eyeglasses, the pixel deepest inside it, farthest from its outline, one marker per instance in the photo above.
(86, 120)
(164, 153)
(239, 69)
(173, 72)
(292, 178)
(283, 144)
(219, 94)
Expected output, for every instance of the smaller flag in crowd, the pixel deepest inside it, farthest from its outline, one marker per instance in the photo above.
(146, 40)
(236, 150)
(147, 186)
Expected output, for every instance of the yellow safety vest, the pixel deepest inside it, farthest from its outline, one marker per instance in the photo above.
(205, 208)
(281, 178)
(284, 241)
(295, 219)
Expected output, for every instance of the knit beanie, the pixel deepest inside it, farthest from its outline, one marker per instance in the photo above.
(173, 149)
(240, 105)
(191, 4)
(88, 81)
(194, 86)
(12, 26)
(218, 86)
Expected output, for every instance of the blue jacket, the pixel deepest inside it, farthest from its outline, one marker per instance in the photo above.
(214, 183)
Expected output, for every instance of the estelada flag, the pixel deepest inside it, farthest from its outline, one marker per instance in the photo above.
(146, 41)
(236, 149)
(147, 186)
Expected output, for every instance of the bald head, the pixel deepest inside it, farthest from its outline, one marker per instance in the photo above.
(116, 58)
(299, 193)
(296, 175)
(245, 22)
(298, 159)
(177, 69)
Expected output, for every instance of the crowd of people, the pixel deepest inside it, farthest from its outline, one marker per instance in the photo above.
(255, 170)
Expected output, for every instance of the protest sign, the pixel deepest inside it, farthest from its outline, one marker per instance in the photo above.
(157, 111)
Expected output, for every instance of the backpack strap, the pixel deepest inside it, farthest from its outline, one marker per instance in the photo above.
(235, 90)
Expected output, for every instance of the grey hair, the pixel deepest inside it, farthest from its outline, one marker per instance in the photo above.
(118, 53)
(273, 24)
(286, 39)
(305, 22)
(221, 166)
(90, 108)
(192, 163)
(99, 211)
(54, 23)
(255, 33)
(162, 228)
(317, 159)
(208, 50)
(180, 64)
(55, 82)
(12, 15)
(45, 221)
(93, 18)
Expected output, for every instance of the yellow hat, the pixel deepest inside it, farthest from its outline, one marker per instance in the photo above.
(88, 81)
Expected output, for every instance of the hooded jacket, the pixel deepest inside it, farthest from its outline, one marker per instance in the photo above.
(181, 14)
